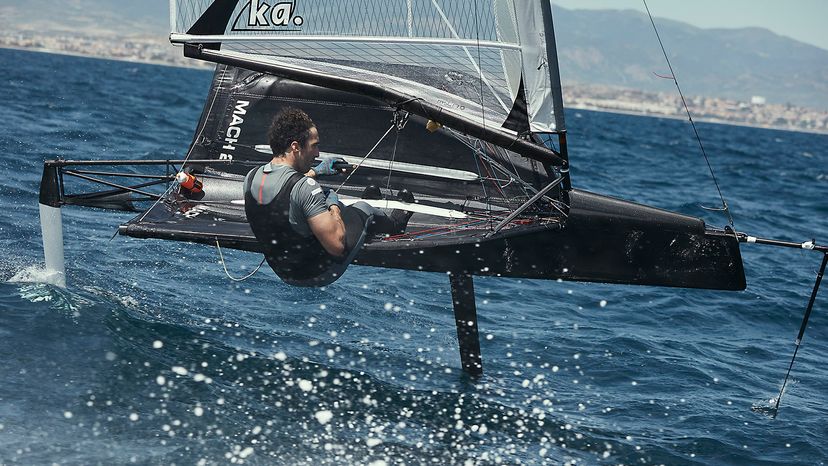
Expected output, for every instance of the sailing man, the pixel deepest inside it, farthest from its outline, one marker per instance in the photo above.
(308, 236)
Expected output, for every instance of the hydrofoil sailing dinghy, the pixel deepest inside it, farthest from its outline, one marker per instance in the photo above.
(459, 102)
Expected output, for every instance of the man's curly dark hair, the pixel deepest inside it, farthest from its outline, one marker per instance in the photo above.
(290, 124)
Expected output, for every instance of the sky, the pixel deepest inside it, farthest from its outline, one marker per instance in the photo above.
(803, 20)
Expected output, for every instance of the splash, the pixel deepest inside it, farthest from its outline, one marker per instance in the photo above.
(57, 298)
(37, 284)
(768, 407)
(39, 274)
(766, 410)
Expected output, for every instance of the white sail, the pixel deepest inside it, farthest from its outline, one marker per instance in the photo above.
(467, 56)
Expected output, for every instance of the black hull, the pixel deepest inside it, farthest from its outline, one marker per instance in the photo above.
(710, 260)
(604, 240)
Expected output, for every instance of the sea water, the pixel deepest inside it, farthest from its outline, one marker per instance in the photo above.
(150, 355)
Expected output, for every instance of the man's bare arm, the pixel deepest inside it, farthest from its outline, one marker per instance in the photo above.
(329, 229)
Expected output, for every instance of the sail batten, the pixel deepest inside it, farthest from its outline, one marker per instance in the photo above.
(479, 50)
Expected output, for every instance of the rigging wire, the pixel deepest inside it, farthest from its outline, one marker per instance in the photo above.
(690, 117)
(224, 265)
(491, 176)
(477, 151)
(393, 125)
(468, 54)
(479, 64)
(502, 156)
(190, 151)
(514, 168)
(470, 142)
(475, 154)
(400, 119)
(393, 157)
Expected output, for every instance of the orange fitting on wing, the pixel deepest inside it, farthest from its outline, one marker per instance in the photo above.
(189, 182)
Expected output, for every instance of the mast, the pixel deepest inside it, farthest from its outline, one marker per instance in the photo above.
(557, 93)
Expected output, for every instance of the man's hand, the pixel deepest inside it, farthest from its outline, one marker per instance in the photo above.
(326, 167)
(331, 199)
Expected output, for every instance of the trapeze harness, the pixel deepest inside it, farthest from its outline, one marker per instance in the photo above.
(296, 259)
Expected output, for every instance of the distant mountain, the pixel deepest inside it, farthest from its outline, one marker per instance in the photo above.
(619, 47)
(609, 47)
(125, 17)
